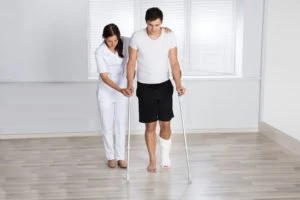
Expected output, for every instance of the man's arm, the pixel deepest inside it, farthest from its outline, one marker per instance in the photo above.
(176, 72)
(131, 70)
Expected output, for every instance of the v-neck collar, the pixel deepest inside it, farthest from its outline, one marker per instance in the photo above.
(107, 49)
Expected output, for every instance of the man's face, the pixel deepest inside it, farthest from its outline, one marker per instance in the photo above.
(153, 27)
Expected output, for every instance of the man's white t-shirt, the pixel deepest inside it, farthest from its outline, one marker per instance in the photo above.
(153, 56)
(115, 66)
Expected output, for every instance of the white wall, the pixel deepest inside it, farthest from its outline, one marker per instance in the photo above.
(43, 40)
(281, 92)
(48, 108)
(211, 104)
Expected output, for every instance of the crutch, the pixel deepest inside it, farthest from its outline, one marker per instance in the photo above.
(128, 136)
(185, 143)
(128, 141)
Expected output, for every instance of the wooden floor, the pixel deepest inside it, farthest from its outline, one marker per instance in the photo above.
(223, 166)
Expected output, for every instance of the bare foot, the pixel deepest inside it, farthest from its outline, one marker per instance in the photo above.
(151, 167)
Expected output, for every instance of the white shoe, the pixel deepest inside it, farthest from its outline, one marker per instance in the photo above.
(165, 147)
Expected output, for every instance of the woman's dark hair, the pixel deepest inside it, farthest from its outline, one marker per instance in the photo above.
(153, 14)
(111, 30)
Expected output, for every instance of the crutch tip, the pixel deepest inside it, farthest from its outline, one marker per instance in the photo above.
(190, 182)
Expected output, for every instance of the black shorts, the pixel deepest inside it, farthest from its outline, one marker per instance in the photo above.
(155, 101)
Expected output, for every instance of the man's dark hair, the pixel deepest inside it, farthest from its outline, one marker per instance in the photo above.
(154, 14)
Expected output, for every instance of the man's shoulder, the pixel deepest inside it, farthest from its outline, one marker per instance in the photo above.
(139, 33)
(169, 35)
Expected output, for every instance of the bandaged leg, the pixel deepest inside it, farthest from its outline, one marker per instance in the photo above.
(165, 148)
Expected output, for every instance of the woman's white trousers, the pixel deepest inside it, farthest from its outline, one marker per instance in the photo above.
(113, 117)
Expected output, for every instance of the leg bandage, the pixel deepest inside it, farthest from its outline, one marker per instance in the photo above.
(165, 148)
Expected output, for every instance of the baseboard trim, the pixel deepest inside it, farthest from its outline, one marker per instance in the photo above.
(139, 132)
(46, 135)
(279, 137)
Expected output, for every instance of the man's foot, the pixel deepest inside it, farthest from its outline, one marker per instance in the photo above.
(166, 163)
(151, 167)
(165, 147)
(111, 163)
(122, 164)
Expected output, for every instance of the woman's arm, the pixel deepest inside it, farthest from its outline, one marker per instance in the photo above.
(110, 83)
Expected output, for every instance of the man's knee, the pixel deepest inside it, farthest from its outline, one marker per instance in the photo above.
(151, 127)
(165, 125)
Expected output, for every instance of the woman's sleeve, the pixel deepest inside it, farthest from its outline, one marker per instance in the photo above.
(101, 66)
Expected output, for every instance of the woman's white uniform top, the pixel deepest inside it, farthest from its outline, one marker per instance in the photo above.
(115, 66)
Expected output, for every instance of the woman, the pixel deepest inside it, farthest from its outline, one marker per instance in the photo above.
(111, 59)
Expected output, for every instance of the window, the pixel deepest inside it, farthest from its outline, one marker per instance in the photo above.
(209, 32)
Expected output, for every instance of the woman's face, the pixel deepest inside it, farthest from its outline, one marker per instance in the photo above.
(112, 42)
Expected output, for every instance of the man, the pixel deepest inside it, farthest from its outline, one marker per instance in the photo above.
(153, 50)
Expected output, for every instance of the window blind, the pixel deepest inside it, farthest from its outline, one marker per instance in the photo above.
(206, 30)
